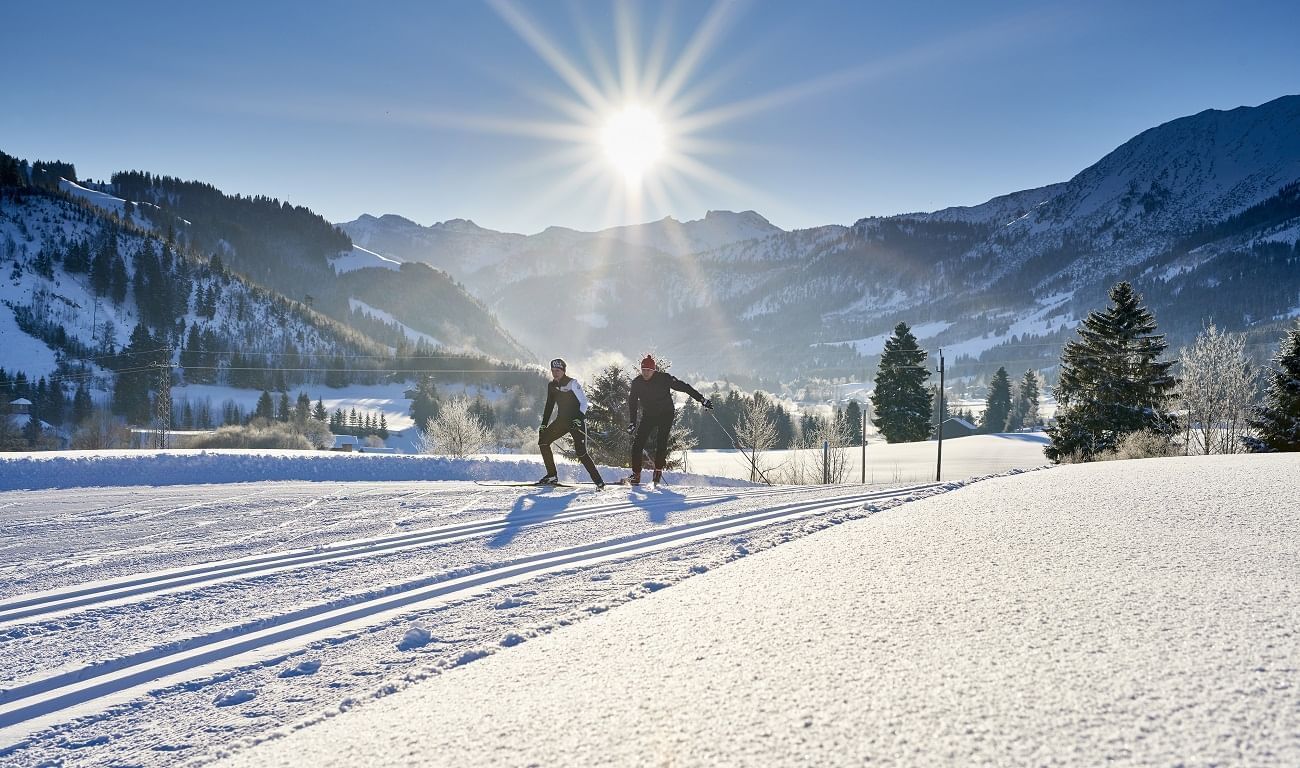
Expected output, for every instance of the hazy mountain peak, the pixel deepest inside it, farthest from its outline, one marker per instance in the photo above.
(458, 225)
(750, 217)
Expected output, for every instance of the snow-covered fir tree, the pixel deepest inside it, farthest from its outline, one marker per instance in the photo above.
(1024, 411)
(900, 401)
(1111, 383)
(997, 406)
(1276, 421)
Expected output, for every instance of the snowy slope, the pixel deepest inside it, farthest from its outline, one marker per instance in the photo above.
(243, 314)
(105, 202)
(360, 258)
(411, 334)
(1068, 617)
(1166, 182)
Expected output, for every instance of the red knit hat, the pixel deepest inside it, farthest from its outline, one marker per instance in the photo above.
(648, 362)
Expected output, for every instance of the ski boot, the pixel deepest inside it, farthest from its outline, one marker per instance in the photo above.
(659, 476)
(548, 480)
(632, 479)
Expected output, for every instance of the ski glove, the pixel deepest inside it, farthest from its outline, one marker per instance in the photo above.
(578, 423)
(631, 428)
(707, 404)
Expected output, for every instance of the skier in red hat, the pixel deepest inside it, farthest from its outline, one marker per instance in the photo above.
(653, 391)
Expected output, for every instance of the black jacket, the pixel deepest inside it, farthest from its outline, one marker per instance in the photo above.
(656, 395)
(568, 396)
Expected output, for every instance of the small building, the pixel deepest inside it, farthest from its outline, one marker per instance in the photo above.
(21, 405)
(347, 443)
(958, 427)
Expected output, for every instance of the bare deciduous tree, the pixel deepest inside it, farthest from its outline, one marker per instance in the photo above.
(756, 433)
(1218, 386)
(456, 431)
(102, 430)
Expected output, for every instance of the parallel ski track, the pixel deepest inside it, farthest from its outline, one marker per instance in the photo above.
(62, 601)
(61, 691)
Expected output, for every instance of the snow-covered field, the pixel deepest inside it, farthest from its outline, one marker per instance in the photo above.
(963, 457)
(156, 625)
(1126, 613)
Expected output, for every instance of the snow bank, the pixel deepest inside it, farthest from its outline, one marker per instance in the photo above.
(77, 469)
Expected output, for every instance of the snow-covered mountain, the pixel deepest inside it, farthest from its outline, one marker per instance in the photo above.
(1201, 213)
(462, 247)
(246, 293)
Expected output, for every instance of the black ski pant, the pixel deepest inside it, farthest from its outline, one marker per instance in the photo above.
(557, 429)
(661, 423)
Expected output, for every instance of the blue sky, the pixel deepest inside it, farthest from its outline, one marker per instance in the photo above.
(430, 109)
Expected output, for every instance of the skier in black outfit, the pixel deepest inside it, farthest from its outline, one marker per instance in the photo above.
(565, 395)
(653, 389)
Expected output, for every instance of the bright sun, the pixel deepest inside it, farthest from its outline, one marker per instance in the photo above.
(633, 140)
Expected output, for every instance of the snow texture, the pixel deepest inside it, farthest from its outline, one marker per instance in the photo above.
(77, 469)
(1126, 613)
(136, 621)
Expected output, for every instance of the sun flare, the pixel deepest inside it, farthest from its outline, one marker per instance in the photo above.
(633, 140)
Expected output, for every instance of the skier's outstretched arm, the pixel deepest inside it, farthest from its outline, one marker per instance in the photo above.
(681, 386)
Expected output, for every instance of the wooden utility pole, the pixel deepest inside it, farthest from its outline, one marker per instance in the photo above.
(938, 467)
(864, 446)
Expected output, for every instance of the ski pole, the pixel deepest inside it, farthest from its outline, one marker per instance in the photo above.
(725, 431)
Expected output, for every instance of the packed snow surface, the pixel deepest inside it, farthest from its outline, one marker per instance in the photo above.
(1126, 613)
(77, 469)
(156, 625)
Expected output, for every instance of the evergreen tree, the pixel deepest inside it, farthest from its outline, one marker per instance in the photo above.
(1024, 409)
(284, 411)
(784, 428)
(319, 413)
(192, 356)
(425, 404)
(853, 422)
(482, 410)
(900, 401)
(1276, 421)
(608, 441)
(302, 409)
(997, 406)
(1111, 384)
(117, 280)
(101, 266)
(82, 405)
(265, 407)
(136, 375)
(383, 427)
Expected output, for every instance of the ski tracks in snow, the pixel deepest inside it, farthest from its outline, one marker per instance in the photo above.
(546, 538)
